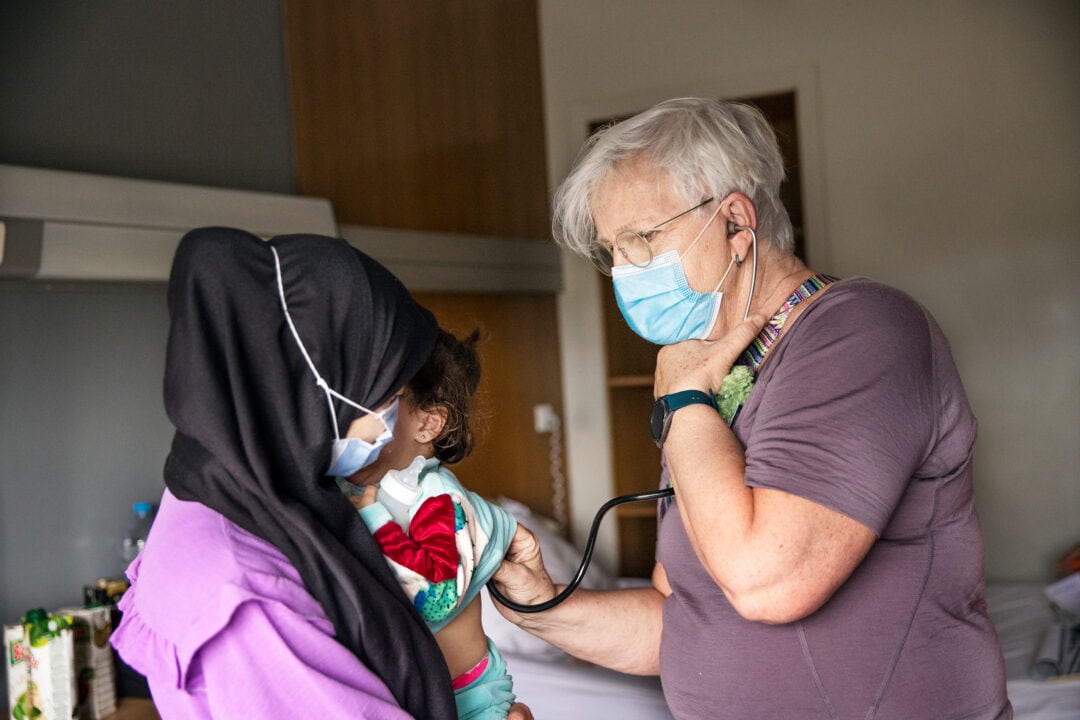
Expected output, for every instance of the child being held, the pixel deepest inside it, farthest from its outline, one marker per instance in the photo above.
(445, 542)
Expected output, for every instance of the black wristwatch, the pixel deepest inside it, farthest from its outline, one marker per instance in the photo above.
(665, 407)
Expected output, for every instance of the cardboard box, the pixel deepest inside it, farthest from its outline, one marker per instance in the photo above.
(53, 671)
(41, 678)
(95, 668)
(17, 659)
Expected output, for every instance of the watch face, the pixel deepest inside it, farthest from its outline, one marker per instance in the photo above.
(666, 406)
(656, 421)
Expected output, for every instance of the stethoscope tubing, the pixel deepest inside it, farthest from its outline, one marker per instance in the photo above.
(586, 558)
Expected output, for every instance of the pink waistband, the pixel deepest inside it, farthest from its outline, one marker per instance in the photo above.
(470, 675)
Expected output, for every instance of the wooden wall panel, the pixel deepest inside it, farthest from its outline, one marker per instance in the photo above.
(424, 114)
(520, 361)
(427, 115)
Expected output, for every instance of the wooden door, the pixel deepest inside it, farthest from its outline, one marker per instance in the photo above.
(520, 369)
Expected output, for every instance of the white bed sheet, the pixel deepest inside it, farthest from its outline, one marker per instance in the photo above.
(557, 687)
(1021, 615)
(564, 689)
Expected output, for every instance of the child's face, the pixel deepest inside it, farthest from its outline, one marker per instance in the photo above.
(370, 426)
(400, 451)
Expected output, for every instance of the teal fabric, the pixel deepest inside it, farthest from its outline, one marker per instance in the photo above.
(498, 524)
(490, 696)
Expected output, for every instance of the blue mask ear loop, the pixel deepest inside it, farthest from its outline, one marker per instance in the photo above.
(695, 242)
(726, 273)
(734, 262)
(730, 264)
(330, 393)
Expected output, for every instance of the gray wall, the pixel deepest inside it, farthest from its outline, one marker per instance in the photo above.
(82, 432)
(188, 92)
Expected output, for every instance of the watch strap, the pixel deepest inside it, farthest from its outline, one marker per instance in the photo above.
(681, 399)
(664, 408)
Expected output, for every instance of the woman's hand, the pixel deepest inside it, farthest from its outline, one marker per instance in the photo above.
(619, 629)
(522, 577)
(703, 364)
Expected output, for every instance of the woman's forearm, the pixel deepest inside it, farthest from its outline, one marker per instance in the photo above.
(619, 629)
(708, 469)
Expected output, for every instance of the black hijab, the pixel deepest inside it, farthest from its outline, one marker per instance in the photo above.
(253, 430)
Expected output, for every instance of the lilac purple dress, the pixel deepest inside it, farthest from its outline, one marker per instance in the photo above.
(222, 626)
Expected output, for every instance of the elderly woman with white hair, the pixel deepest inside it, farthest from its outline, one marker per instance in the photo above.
(821, 557)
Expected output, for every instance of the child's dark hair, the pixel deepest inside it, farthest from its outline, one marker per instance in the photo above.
(449, 380)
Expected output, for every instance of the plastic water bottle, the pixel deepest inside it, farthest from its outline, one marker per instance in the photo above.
(134, 538)
(399, 490)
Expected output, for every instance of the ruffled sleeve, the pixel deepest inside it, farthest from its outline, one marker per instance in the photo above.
(265, 662)
(224, 637)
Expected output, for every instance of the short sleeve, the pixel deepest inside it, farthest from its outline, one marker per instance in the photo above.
(842, 413)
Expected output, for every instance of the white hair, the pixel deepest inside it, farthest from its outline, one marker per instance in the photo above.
(706, 147)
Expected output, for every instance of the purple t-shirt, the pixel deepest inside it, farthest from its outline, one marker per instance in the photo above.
(859, 408)
(220, 623)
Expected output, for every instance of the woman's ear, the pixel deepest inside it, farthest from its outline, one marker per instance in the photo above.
(739, 213)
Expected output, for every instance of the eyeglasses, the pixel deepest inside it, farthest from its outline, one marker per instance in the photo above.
(633, 245)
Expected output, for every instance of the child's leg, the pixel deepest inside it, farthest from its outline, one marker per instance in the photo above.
(485, 692)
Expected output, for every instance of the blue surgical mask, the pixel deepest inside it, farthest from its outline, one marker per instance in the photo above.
(658, 302)
(348, 455)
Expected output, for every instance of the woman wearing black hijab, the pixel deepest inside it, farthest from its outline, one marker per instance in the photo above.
(260, 593)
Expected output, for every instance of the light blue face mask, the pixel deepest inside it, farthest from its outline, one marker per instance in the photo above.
(348, 455)
(658, 302)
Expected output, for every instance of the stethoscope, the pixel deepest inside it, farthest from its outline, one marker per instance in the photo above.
(732, 228)
(586, 558)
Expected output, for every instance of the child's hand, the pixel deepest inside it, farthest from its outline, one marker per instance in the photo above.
(362, 501)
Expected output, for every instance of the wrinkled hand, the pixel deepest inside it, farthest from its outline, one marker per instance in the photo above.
(703, 364)
(521, 577)
(518, 711)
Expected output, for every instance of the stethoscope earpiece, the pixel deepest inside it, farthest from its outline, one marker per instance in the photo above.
(732, 229)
